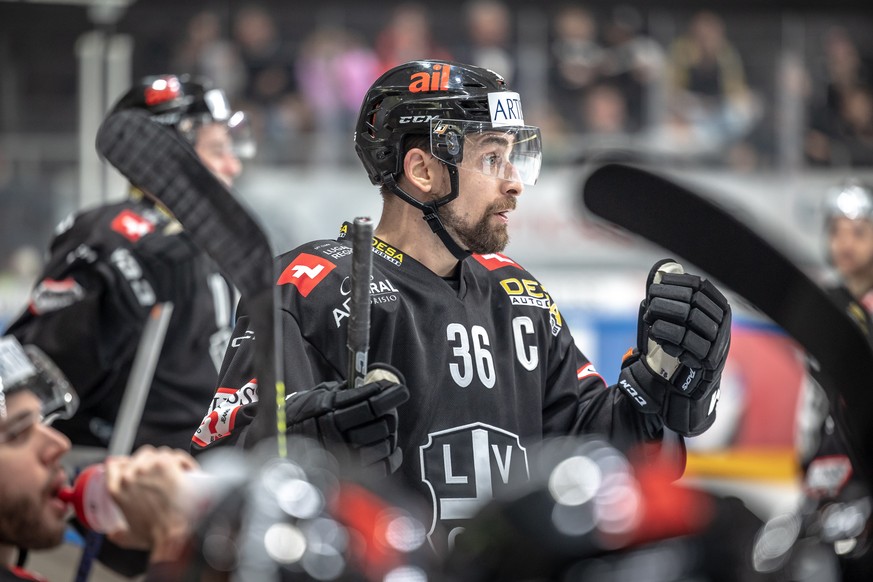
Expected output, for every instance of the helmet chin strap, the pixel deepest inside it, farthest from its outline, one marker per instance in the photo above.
(429, 209)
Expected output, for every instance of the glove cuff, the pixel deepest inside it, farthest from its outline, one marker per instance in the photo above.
(645, 388)
(654, 396)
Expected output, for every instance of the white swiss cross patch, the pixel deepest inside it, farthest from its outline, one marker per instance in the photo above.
(131, 225)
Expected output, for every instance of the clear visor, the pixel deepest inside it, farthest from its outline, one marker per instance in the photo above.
(28, 368)
(239, 130)
(508, 153)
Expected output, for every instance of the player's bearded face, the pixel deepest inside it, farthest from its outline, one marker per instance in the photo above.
(851, 246)
(23, 521)
(478, 225)
(483, 234)
(31, 513)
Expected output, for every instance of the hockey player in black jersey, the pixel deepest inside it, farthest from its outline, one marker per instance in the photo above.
(109, 265)
(488, 367)
(831, 484)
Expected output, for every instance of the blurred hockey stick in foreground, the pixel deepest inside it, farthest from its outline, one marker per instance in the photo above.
(156, 159)
(708, 235)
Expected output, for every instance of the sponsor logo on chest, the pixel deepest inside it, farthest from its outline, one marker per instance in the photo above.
(382, 290)
(335, 251)
(528, 292)
(387, 252)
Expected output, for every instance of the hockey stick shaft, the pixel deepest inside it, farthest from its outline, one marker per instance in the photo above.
(359, 309)
(140, 380)
(699, 230)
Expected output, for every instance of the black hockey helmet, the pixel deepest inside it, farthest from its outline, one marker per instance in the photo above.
(187, 103)
(444, 100)
(451, 105)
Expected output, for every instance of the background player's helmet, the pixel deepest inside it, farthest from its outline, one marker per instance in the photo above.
(187, 104)
(850, 199)
(448, 102)
(28, 368)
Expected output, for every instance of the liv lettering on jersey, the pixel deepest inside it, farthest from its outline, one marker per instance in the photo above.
(464, 468)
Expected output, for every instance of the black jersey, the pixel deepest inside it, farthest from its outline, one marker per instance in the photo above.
(107, 269)
(489, 361)
(828, 472)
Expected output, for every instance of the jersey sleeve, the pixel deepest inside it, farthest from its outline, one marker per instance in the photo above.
(234, 405)
(87, 310)
(592, 407)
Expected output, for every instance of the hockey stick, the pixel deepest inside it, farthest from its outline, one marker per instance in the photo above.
(699, 230)
(156, 159)
(359, 308)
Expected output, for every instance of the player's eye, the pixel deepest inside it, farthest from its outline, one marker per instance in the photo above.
(18, 432)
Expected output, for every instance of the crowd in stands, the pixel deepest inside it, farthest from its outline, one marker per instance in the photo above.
(613, 78)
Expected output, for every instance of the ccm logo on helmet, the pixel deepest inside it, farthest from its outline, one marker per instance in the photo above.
(418, 118)
(438, 80)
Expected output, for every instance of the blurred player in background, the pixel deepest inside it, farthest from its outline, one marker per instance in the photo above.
(849, 223)
(34, 393)
(829, 480)
(109, 266)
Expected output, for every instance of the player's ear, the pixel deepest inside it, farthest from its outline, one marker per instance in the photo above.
(423, 170)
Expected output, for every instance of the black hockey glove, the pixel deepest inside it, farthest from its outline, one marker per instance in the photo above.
(682, 344)
(363, 419)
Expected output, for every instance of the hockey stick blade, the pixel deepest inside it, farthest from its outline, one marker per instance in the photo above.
(711, 237)
(156, 159)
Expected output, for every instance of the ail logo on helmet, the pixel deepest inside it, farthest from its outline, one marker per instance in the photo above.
(305, 272)
(438, 80)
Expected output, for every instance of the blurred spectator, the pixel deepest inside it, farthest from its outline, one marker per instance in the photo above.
(576, 60)
(29, 211)
(489, 30)
(605, 111)
(270, 91)
(856, 116)
(635, 64)
(844, 68)
(335, 69)
(206, 53)
(841, 119)
(711, 106)
(407, 36)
